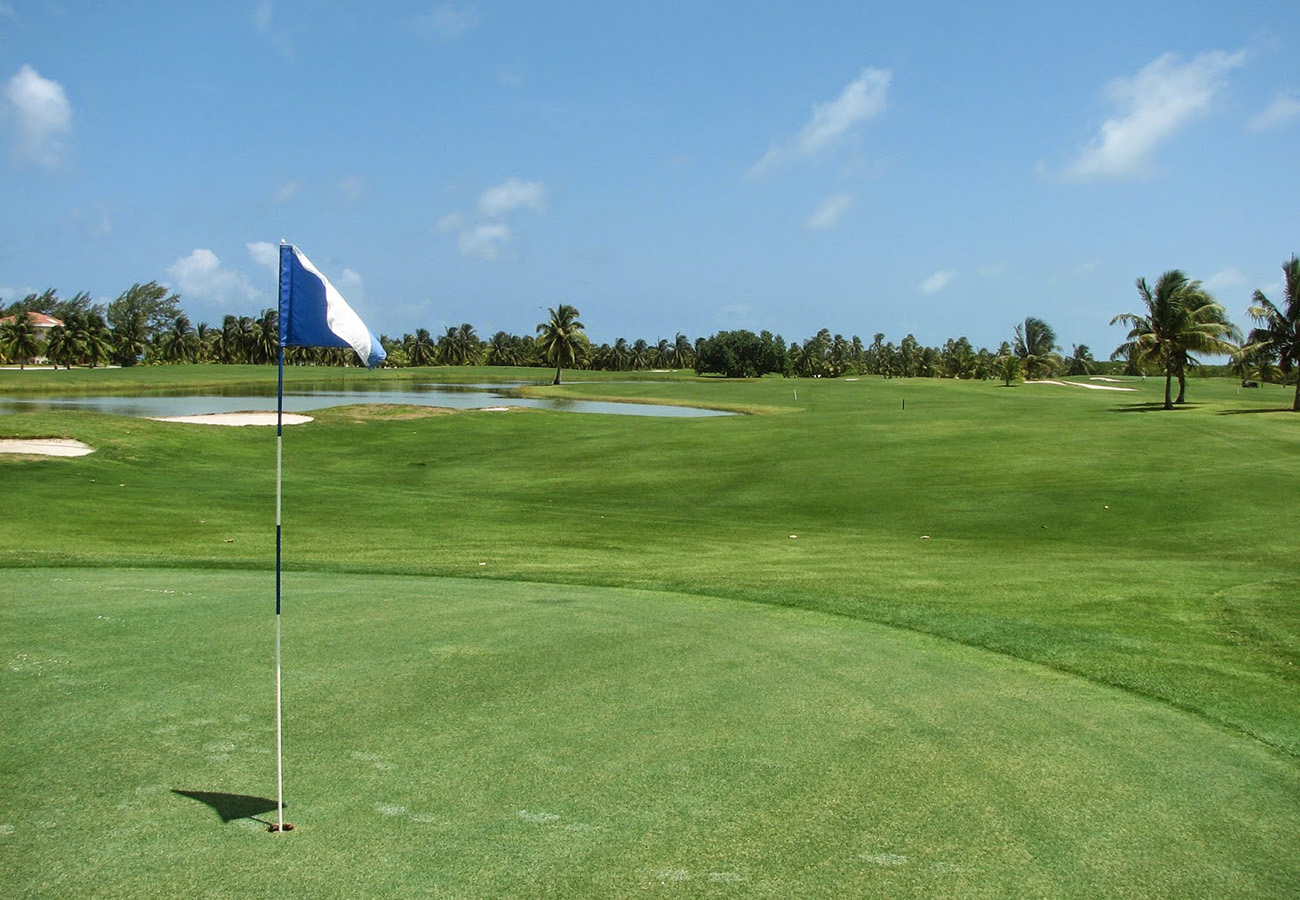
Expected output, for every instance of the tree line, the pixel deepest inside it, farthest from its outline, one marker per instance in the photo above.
(1179, 318)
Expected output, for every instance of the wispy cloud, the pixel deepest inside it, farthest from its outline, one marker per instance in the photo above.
(446, 22)
(42, 117)
(937, 282)
(350, 285)
(1283, 110)
(264, 253)
(285, 191)
(201, 276)
(829, 213)
(352, 189)
(510, 195)
(1152, 106)
(863, 98)
(1226, 279)
(262, 17)
(483, 241)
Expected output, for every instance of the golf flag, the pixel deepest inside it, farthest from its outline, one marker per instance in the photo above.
(314, 314)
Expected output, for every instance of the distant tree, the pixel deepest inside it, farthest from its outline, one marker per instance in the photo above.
(61, 345)
(958, 359)
(139, 314)
(1276, 335)
(1007, 367)
(1080, 361)
(1035, 346)
(204, 335)
(44, 303)
(180, 344)
(18, 336)
(561, 340)
(96, 340)
(420, 348)
(683, 354)
(738, 354)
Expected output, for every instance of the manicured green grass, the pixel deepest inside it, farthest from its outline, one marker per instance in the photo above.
(1069, 531)
(458, 738)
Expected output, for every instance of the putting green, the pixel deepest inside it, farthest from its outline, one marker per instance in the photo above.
(471, 738)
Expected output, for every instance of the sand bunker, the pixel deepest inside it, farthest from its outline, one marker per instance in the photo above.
(238, 418)
(45, 447)
(1091, 387)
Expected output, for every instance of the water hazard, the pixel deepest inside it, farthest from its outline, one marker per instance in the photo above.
(453, 396)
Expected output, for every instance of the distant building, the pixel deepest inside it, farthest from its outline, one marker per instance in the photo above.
(41, 325)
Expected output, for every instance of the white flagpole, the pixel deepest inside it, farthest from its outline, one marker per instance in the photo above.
(279, 720)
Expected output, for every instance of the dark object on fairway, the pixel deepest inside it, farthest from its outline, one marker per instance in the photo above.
(1250, 384)
(288, 826)
(233, 806)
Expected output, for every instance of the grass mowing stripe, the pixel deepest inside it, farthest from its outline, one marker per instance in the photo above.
(486, 739)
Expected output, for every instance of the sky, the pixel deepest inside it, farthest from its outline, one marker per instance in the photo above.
(938, 168)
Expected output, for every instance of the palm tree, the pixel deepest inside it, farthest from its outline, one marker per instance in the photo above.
(19, 339)
(561, 339)
(683, 355)
(205, 335)
(1080, 361)
(1211, 332)
(1007, 367)
(178, 345)
(1035, 345)
(96, 341)
(61, 346)
(1277, 334)
(1181, 318)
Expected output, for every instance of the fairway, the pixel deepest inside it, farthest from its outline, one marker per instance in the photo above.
(885, 638)
(452, 738)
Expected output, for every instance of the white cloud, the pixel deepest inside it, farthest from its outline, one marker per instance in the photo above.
(831, 210)
(510, 195)
(938, 281)
(446, 22)
(1153, 105)
(265, 253)
(43, 117)
(484, 238)
(200, 276)
(483, 241)
(862, 99)
(1282, 110)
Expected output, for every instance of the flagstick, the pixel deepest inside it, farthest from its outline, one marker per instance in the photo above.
(279, 721)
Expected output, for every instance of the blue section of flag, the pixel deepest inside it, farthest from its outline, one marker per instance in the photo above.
(314, 314)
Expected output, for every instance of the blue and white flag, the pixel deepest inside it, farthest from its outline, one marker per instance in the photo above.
(314, 314)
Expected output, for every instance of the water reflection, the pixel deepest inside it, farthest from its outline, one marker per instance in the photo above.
(454, 396)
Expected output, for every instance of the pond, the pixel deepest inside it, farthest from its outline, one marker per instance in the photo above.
(454, 396)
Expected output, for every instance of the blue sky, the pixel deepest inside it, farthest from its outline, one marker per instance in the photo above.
(932, 168)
